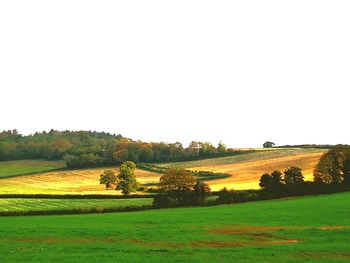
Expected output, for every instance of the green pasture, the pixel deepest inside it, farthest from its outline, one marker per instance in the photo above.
(304, 229)
(42, 204)
(21, 167)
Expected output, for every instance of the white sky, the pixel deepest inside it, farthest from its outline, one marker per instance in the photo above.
(239, 71)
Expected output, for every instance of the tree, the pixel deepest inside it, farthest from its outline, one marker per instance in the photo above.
(293, 176)
(221, 147)
(330, 169)
(201, 191)
(266, 181)
(175, 188)
(109, 179)
(347, 170)
(226, 196)
(277, 179)
(268, 144)
(127, 179)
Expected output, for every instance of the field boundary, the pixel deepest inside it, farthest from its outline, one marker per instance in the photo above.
(95, 210)
(97, 196)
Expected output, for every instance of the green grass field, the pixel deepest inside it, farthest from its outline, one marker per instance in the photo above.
(38, 204)
(21, 167)
(306, 229)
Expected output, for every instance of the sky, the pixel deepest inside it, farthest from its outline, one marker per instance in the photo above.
(238, 71)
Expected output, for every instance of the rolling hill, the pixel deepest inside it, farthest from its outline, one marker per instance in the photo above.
(246, 169)
(83, 181)
(21, 167)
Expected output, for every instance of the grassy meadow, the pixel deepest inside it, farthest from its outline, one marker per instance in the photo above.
(305, 229)
(21, 167)
(42, 204)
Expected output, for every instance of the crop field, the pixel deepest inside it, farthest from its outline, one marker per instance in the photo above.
(38, 204)
(246, 169)
(14, 168)
(306, 229)
(84, 181)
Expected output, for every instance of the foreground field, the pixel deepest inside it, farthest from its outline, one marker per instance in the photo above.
(14, 168)
(312, 229)
(85, 181)
(37, 204)
(246, 169)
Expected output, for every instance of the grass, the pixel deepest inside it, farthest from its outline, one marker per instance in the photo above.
(84, 181)
(21, 167)
(37, 204)
(307, 229)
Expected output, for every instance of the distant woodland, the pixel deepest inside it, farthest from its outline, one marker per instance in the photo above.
(90, 148)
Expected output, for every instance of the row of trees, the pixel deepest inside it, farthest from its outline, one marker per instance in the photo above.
(332, 169)
(292, 176)
(87, 149)
(54, 145)
(177, 187)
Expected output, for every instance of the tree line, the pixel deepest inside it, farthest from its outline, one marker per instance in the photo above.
(82, 149)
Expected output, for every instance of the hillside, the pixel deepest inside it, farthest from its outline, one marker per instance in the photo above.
(21, 167)
(246, 169)
(81, 181)
(312, 229)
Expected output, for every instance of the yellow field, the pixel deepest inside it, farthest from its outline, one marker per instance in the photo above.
(245, 169)
(246, 175)
(84, 181)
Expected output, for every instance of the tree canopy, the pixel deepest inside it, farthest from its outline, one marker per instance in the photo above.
(109, 179)
(268, 144)
(334, 167)
(90, 149)
(293, 175)
(127, 179)
(179, 187)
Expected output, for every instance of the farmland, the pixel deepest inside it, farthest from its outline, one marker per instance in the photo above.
(37, 204)
(84, 181)
(21, 167)
(312, 229)
(246, 169)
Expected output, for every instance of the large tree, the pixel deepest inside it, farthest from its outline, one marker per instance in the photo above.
(175, 188)
(293, 175)
(265, 181)
(277, 179)
(268, 144)
(127, 179)
(271, 181)
(331, 167)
